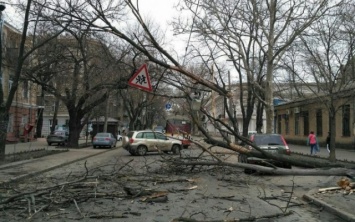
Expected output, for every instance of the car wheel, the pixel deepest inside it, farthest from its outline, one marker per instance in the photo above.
(94, 147)
(49, 144)
(141, 150)
(175, 149)
(132, 153)
(115, 145)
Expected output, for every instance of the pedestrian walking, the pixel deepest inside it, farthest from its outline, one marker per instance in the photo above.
(312, 142)
(328, 142)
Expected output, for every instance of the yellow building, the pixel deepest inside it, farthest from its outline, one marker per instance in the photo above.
(294, 120)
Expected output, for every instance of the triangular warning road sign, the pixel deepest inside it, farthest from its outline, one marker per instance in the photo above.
(141, 79)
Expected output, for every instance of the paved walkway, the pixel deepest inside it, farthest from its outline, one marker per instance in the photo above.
(33, 145)
(337, 204)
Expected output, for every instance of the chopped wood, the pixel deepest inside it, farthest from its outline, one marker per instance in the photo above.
(186, 189)
(329, 189)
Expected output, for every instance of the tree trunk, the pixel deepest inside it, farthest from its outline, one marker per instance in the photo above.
(259, 117)
(75, 127)
(39, 123)
(4, 120)
(245, 128)
(54, 120)
(106, 115)
(332, 125)
(40, 117)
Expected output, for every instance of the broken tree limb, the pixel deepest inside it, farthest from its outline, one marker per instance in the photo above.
(276, 215)
(277, 171)
(293, 159)
(206, 150)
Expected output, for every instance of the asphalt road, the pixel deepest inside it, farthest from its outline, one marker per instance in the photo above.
(201, 193)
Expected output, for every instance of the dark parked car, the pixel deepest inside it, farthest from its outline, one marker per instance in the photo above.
(59, 137)
(273, 143)
(104, 139)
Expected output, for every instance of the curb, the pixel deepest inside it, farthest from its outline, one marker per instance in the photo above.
(19, 178)
(330, 208)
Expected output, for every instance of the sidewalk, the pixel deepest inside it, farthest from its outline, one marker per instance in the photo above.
(23, 169)
(337, 203)
(40, 143)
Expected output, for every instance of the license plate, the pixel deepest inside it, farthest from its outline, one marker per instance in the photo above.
(272, 150)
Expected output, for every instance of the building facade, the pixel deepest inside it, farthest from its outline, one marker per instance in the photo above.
(23, 111)
(296, 119)
(218, 109)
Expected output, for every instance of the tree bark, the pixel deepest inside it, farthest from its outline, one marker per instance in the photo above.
(4, 120)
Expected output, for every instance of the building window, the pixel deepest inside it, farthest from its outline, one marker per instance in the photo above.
(319, 121)
(10, 125)
(279, 120)
(287, 130)
(10, 84)
(297, 119)
(346, 120)
(24, 120)
(25, 90)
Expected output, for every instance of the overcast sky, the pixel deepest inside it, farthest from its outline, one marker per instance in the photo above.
(159, 10)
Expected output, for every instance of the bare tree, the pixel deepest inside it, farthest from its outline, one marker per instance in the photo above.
(279, 24)
(23, 56)
(254, 35)
(89, 71)
(325, 58)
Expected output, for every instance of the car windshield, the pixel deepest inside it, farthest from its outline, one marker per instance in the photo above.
(61, 128)
(159, 129)
(103, 135)
(260, 140)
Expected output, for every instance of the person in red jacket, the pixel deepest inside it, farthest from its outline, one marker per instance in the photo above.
(312, 142)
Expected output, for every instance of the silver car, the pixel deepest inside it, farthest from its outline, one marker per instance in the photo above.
(60, 137)
(141, 142)
(104, 139)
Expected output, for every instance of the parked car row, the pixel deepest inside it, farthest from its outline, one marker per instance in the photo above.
(61, 135)
(142, 142)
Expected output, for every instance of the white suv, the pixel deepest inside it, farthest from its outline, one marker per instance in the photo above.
(141, 142)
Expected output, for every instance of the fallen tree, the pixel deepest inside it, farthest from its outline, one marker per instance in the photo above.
(314, 166)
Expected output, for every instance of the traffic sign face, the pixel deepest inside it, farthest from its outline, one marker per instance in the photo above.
(168, 106)
(141, 79)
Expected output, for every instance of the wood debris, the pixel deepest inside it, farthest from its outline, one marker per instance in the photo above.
(344, 184)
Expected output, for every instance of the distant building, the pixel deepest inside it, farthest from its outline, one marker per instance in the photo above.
(22, 118)
(295, 119)
(216, 108)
